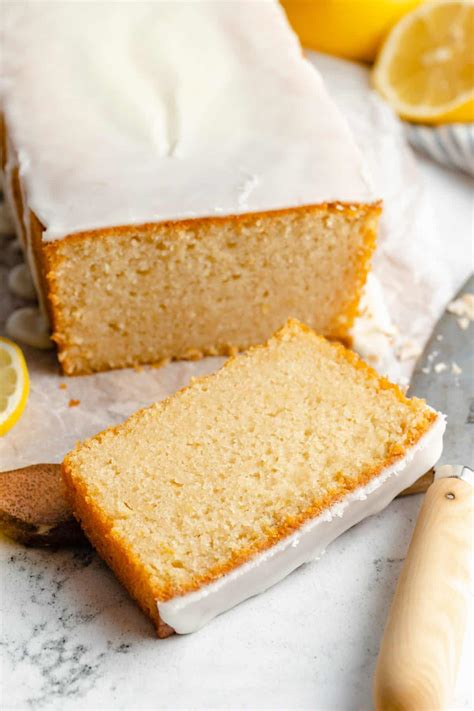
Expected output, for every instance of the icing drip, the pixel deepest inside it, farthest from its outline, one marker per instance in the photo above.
(374, 336)
(29, 326)
(20, 282)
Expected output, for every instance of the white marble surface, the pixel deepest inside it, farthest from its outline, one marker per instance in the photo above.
(72, 639)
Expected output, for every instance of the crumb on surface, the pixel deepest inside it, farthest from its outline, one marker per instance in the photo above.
(463, 323)
(455, 369)
(464, 307)
(440, 367)
(74, 403)
(62, 386)
(161, 363)
(408, 350)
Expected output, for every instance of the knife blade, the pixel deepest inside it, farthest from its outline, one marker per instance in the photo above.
(450, 391)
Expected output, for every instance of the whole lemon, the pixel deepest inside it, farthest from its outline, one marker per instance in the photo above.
(353, 29)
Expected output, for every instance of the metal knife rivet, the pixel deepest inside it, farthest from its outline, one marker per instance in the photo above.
(450, 495)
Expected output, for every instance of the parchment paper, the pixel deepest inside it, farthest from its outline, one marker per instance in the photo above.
(423, 258)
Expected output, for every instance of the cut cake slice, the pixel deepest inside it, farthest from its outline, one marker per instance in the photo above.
(216, 493)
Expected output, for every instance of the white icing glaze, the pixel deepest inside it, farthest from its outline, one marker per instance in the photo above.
(374, 336)
(190, 612)
(168, 110)
(20, 282)
(28, 325)
(22, 222)
(18, 219)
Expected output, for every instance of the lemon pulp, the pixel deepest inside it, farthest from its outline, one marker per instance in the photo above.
(425, 68)
(14, 384)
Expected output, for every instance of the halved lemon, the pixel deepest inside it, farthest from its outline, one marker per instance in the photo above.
(425, 68)
(14, 384)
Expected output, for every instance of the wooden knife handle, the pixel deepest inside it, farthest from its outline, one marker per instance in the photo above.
(422, 642)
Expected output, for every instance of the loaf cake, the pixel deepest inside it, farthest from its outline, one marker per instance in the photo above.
(211, 496)
(181, 179)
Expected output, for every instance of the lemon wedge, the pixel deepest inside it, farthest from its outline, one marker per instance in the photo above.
(425, 69)
(14, 384)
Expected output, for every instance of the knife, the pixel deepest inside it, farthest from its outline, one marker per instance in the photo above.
(422, 641)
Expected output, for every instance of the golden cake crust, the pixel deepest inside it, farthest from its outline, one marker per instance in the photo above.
(119, 556)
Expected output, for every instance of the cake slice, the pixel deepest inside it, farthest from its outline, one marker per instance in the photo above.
(181, 179)
(211, 496)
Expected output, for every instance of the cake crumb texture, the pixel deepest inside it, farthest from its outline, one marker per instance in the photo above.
(186, 490)
(204, 287)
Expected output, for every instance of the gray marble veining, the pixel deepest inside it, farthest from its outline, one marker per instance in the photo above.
(72, 638)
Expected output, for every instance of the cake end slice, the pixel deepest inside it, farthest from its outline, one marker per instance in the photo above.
(211, 496)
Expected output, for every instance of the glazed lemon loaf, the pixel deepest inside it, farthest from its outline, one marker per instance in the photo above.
(181, 179)
(211, 496)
